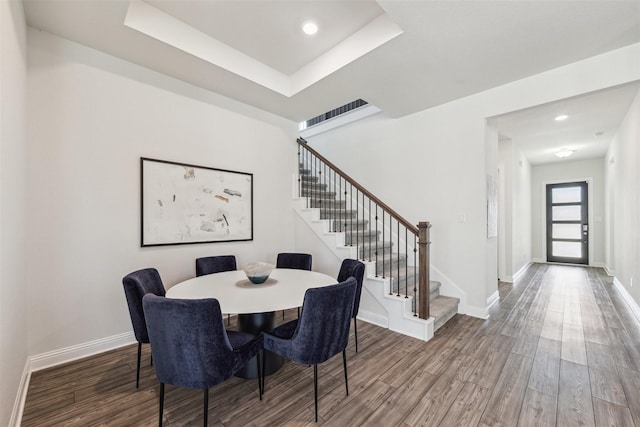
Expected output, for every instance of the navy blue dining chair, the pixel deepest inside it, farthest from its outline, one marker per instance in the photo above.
(216, 264)
(296, 261)
(353, 268)
(136, 285)
(191, 347)
(321, 332)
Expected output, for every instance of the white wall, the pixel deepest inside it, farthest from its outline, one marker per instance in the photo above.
(623, 202)
(13, 289)
(521, 212)
(569, 171)
(431, 165)
(491, 249)
(505, 210)
(90, 119)
(515, 231)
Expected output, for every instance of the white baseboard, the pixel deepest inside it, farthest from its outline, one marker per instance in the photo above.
(479, 312)
(373, 318)
(68, 354)
(520, 272)
(21, 396)
(633, 305)
(493, 298)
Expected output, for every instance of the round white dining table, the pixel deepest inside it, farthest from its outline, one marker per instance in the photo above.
(283, 289)
(255, 304)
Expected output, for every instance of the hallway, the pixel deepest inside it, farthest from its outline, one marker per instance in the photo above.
(575, 358)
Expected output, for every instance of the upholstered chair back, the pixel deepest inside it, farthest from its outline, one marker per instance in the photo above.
(215, 264)
(297, 261)
(136, 285)
(353, 268)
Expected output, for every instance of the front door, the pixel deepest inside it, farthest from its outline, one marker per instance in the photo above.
(567, 223)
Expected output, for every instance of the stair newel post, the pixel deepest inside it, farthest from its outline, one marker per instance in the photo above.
(423, 259)
(376, 251)
(299, 172)
(415, 275)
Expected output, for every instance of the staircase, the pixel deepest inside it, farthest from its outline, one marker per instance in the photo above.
(391, 274)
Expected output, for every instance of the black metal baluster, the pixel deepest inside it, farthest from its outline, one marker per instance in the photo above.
(314, 188)
(340, 206)
(355, 218)
(299, 173)
(369, 230)
(351, 213)
(391, 255)
(335, 198)
(319, 187)
(364, 227)
(383, 254)
(376, 252)
(406, 260)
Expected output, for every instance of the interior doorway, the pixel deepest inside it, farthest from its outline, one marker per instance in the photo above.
(567, 206)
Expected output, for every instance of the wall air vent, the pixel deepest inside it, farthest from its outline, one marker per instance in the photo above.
(335, 112)
(347, 113)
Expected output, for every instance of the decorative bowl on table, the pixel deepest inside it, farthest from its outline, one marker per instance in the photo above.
(258, 272)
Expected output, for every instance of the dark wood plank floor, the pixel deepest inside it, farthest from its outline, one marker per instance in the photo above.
(560, 348)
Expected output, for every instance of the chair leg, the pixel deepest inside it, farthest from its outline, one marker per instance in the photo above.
(161, 404)
(282, 314)
(355, 332)
(228, 319)
(264, 368)
(138, 368)
(260, 375)
(298, 312)
(315, 388)
(206, 407)
(344, 364)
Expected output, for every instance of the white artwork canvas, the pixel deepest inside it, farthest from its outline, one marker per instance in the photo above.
(184, 203)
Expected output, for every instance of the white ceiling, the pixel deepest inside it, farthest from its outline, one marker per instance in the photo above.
(591, 125)
(402, 56)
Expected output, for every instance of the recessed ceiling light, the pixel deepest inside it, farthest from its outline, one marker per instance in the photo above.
(561, 117)
(310, 28)
(565, 152)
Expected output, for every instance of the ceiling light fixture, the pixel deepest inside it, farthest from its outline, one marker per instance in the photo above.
(561, 117)
(565, 152)
(310, 28)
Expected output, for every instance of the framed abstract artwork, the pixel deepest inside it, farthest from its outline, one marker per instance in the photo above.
(183, 204)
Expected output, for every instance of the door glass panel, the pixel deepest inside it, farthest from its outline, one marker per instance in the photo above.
(567, 231)
(567, 249)
(566, 195)
(566, 213)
